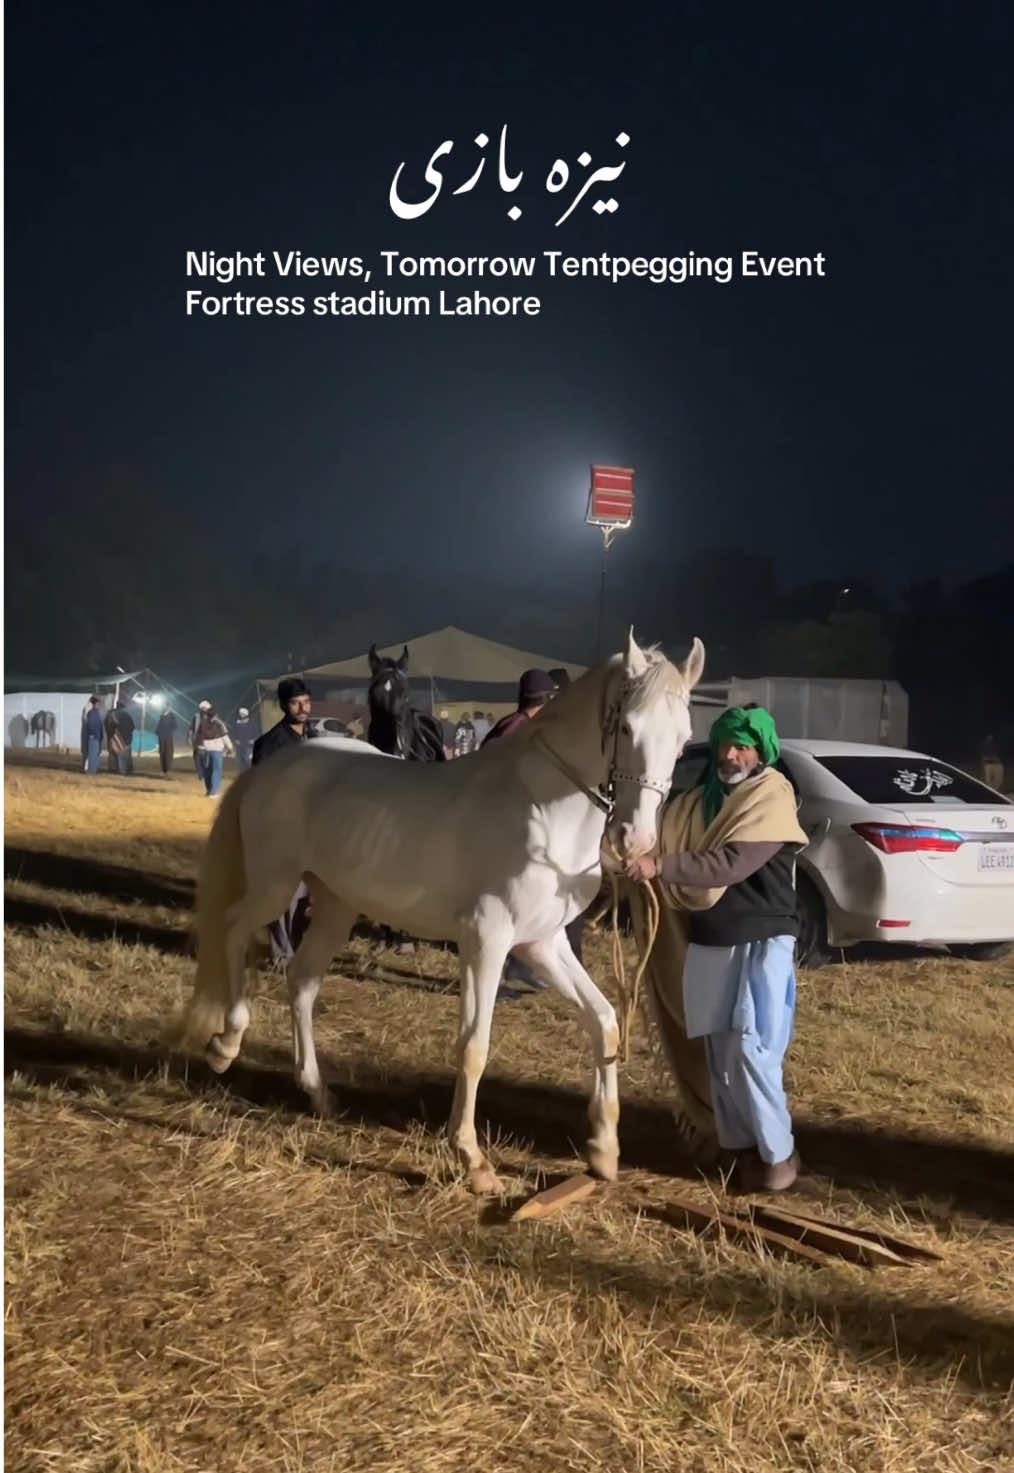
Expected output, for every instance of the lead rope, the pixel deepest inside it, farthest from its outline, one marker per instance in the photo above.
(644, 940)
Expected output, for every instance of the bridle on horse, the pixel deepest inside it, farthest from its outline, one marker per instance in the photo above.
(605, 798)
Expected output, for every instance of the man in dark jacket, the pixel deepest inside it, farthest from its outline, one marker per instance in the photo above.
(294, 698)
(120, 739)
(166, 733)
(93, 733)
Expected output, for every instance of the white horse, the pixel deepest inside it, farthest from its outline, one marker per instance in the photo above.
(497, 851)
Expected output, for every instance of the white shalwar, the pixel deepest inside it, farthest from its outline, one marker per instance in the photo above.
(742, 1001)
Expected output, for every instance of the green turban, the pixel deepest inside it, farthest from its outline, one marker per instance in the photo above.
(741, 726)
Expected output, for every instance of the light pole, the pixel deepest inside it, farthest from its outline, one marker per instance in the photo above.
(611, 509)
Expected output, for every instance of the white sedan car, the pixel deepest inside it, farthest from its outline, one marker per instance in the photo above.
(902, 848)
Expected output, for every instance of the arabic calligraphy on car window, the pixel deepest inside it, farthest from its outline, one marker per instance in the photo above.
(920, 784)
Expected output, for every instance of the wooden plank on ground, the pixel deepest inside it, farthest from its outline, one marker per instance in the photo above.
(899, 1246)
(555, 1199)
(684, 1214)
(830, 1238)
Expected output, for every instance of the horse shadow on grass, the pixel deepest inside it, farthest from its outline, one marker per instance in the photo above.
(81, 875)
(957, 1175)
(121, 883)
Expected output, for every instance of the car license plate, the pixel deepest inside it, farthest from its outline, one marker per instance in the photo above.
(997, 857)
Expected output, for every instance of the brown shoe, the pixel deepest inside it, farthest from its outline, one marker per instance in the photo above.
(763, 1176)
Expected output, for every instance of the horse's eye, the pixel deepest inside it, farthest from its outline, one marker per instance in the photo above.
(625, 728)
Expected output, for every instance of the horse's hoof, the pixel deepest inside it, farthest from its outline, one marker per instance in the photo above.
(216, 1056)
(484, 1182)
(321, 1102)
(604, 1163)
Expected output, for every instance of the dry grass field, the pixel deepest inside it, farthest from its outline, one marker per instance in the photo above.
(202, 1277)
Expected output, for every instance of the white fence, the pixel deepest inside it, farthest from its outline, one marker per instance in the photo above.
(67, 708)
(872, 711)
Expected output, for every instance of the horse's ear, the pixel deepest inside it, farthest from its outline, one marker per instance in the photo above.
(403, 659)
(374, 659)
(634, 662)
(693, 666)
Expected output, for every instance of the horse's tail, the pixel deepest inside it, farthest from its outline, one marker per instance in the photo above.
(221, 882)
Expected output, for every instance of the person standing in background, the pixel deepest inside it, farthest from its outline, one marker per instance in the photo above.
(244, 735)
(213, 742)
(93, 733)
(192, 730)
(464, 736)
(166, 733)
(535, 689)
(294, 699)
(120, 739)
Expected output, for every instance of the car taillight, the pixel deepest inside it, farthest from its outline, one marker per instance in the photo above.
(891, 838)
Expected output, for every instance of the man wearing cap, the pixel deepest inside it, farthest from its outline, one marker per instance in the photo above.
(195, 723)
(244, 736)
(535, 688)
(721, 981)
(211, 743)
(294, 698)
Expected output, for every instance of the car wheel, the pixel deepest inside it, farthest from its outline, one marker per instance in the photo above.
(812, 949)
(981, 951)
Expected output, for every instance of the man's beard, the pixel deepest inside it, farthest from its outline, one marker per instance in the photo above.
(730, 774)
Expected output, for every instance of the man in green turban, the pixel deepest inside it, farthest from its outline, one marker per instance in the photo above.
(722, 973)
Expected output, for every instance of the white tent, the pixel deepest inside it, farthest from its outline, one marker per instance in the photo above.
(454, 654)
(449, 670)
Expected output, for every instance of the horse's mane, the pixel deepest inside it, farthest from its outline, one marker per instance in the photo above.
(662, 678)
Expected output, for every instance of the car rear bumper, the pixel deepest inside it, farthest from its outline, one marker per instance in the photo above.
(874, 889)
(962, 918)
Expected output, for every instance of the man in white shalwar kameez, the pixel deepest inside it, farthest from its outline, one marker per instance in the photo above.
(721, 980)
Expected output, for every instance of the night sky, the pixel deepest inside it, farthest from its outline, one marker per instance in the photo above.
(852, 426)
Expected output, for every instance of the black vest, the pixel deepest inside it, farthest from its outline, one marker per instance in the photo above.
(759, 907)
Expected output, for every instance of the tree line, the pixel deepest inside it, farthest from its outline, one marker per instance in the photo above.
(91, 597)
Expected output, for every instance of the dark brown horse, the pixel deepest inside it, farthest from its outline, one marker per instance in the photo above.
(44, 728)
(395, 726)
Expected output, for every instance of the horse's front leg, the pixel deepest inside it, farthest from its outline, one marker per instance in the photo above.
(554, 962)
(483, 947)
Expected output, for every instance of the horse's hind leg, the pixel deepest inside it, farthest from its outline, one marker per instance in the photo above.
(255, 909)
(331, 921)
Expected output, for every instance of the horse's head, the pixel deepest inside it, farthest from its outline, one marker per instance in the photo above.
(646, 727)
(389, 686)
